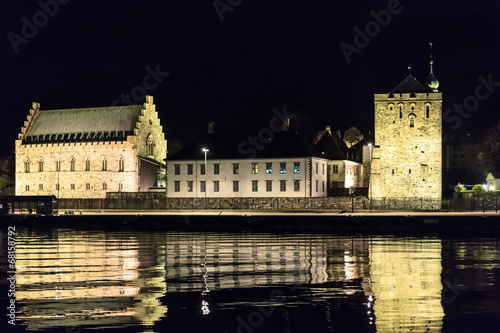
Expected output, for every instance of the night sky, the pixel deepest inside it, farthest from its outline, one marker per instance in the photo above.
(261, 55)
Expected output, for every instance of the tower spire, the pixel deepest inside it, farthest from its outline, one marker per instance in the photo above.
(432, 82)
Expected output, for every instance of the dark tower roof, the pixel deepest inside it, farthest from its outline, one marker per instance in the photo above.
(410, 85)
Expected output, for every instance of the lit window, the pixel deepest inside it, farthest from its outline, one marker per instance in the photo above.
(269, 168)
(72, 164)
(190, 186)
(236, 186)
(203, 186)
(255, 185)
(216, 169)
(216, 186)
(236, 168)
(282, 167)
(189, 169)
(269, 185)
(296, 185)
(177, 186)
(255, 168)
(296, 167)
(177, 169)
(282, 185)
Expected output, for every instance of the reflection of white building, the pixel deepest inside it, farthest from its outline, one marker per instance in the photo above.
(282, 167)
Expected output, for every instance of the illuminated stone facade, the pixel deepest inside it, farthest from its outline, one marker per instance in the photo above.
(407, 157)
(89, 152)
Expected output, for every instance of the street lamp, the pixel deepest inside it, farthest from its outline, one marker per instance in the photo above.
(370, 179)
(205, 150)
(58, 167)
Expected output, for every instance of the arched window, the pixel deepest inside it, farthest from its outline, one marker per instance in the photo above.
(72, 164)
(104, 164)
(413, 107)
(412, 121)
(87, 164)
(27, 165)
(104, 186)
(150, 144)
(427, 110)
(121, 164)
(40, 164)
(58, 163)
(400, 111)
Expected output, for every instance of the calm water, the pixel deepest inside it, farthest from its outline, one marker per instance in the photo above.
(149, 281)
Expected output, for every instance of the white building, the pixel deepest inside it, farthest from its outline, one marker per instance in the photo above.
(281, 167)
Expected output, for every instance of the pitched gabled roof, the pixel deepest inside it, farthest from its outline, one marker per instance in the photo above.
(410, 85)
(83, 124)
(331, 147)
(234, 145)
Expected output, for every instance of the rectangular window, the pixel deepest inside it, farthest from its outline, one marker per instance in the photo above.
(40, 187)
(216, 169)
(296, 185)
(104, 186)
(216, 186)
(177, 169)
(323, 166)
(27, 187)
(317, 167)
(57, 187)
(40, 166)
(58, 165)
(120, 187)
(190, 185)
(282, 185)
(269, 185)
(296, 167)
(424, 171)
(236, 168)
(255, 168)
(236, 186)
(87, 186)
(283, 167)
(335, 168)
(202, 169)
(72, 186)
(203, 186)
(323, 185)
(27, 166)
(189, 169)
(72, 165)
(121, 165)
(87, 165)
(255, 185)
(104, 165)
(269, 168)
(423, 148)
(317, 185)
(177, 186)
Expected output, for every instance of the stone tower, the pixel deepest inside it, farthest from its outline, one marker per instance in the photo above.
(406, 165)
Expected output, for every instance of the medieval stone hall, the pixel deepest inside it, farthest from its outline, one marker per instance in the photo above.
(407, 157)
(84, 153)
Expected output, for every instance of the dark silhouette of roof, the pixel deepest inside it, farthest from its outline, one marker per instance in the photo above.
(235, 145)
(410, 85)
(331, 147)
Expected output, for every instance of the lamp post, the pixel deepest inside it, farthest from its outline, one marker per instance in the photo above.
(205, 150)
(370, 179)
(58, 167)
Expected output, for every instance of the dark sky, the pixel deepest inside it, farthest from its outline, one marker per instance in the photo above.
(262, 55)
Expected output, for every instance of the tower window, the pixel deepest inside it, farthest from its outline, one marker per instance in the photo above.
(27, 165)
(150, 144)
(392, 171)
(121, 164)
(40, 164)
(72, 164)
(87, 164)
(104, 186)
(40, 187)
(427, 110)
(87, 186)
(412, 121)
(104, 164)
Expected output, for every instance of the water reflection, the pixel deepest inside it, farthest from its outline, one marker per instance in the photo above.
(164, 280)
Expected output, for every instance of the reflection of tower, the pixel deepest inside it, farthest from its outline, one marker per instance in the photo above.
(406, 284)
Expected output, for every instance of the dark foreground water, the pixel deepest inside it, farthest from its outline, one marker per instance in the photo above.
(153, 281)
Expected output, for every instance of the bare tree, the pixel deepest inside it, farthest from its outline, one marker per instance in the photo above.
(352, 136)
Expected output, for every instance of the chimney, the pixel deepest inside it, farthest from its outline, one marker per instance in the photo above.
(329, 130)
(286, 124)
(210, 127)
